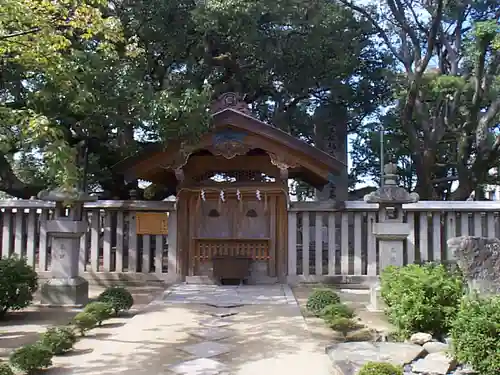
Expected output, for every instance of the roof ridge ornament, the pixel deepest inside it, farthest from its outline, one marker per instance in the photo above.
(231, 100)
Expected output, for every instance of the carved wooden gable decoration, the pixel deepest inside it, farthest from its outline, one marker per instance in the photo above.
(237, 141)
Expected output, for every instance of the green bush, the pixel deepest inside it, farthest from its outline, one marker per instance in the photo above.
(31, 358)
(380, 368)
(343, 325)
(84, 322)
(101, 310)
(118, 297)
(320, 298)
(5, 369)
(475, 334)
(18, 283)
(421, 298)
(337, 310)
(59, 339)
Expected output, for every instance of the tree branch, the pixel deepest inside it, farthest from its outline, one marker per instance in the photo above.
(486, 120)
(431, 38)
(395, 6)
(379, 29)
(420, 26)
(12, 185)
(20, 33)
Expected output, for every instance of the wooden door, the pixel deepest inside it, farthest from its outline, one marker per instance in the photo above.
(214, 219)
(229, 228)
(247, 226)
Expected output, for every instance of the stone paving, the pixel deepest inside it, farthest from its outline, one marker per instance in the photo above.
(215, 327)
(205, 330)
(230, 296)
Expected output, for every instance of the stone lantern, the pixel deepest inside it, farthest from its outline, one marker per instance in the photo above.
(66, 287)
(390, 229)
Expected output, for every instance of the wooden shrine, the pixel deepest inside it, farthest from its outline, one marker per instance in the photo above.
(232, 189)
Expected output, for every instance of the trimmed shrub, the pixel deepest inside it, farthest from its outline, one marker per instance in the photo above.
(380, 368)
(421, 298)
(337, 310)
(5, 369)
(84, 322)
(31, 358)
(320, 298)
(101, 310)
(475, 334)
(59, 339)
(18, 283)
(118, 297)
(343, 325)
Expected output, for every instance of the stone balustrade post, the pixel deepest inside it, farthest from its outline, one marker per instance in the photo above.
(65, 287)
(390, 229)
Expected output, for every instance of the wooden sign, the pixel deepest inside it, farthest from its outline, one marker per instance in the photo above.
(151, 223)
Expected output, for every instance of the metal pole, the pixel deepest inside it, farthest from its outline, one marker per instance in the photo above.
(85, 165)
(381, 155)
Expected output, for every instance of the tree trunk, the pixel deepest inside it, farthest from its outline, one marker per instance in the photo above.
(12, 185)
(463, 191)
(423, 168)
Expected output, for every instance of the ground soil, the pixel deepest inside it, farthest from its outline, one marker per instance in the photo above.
(358, 299)
(23, 327)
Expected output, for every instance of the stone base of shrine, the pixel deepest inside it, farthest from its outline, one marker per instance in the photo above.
(72, 292)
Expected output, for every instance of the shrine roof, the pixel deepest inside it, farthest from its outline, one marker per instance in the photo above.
(229, 114)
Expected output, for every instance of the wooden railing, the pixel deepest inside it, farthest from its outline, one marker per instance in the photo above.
(111, 245)
(325, 242)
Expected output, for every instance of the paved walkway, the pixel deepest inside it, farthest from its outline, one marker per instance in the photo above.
(202, 330)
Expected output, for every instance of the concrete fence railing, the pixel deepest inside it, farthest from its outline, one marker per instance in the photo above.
(110, 249)
(328, 243)
(323, 242)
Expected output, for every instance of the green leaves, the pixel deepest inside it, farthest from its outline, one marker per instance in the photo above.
(146, 71)
(40, 39)
(185, 116)
(487, 30)
(421, 298)
(445, 110)
(476, 334)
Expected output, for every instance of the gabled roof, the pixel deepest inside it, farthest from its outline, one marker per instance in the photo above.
(234, 115)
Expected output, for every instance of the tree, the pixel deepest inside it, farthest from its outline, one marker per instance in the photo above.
(71, 85)
(447, 93)
(37, 40)
(149, 73)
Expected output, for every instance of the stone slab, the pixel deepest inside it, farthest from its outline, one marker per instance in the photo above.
(435, 347)
(199, 366)
(65, 292)
(434, 363)
(348, 357)
(206, 349)
(229, 296)
(420, 338)
(215, 322)
(224, 313)
(212, 334)
(225, 304)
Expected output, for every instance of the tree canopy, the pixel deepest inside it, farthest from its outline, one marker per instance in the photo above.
(85, 84)
(105, 78)
(442, 129)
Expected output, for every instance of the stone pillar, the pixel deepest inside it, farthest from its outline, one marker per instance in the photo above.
(66, 287)
(333, 141)
(390, 229)
(479, 261)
